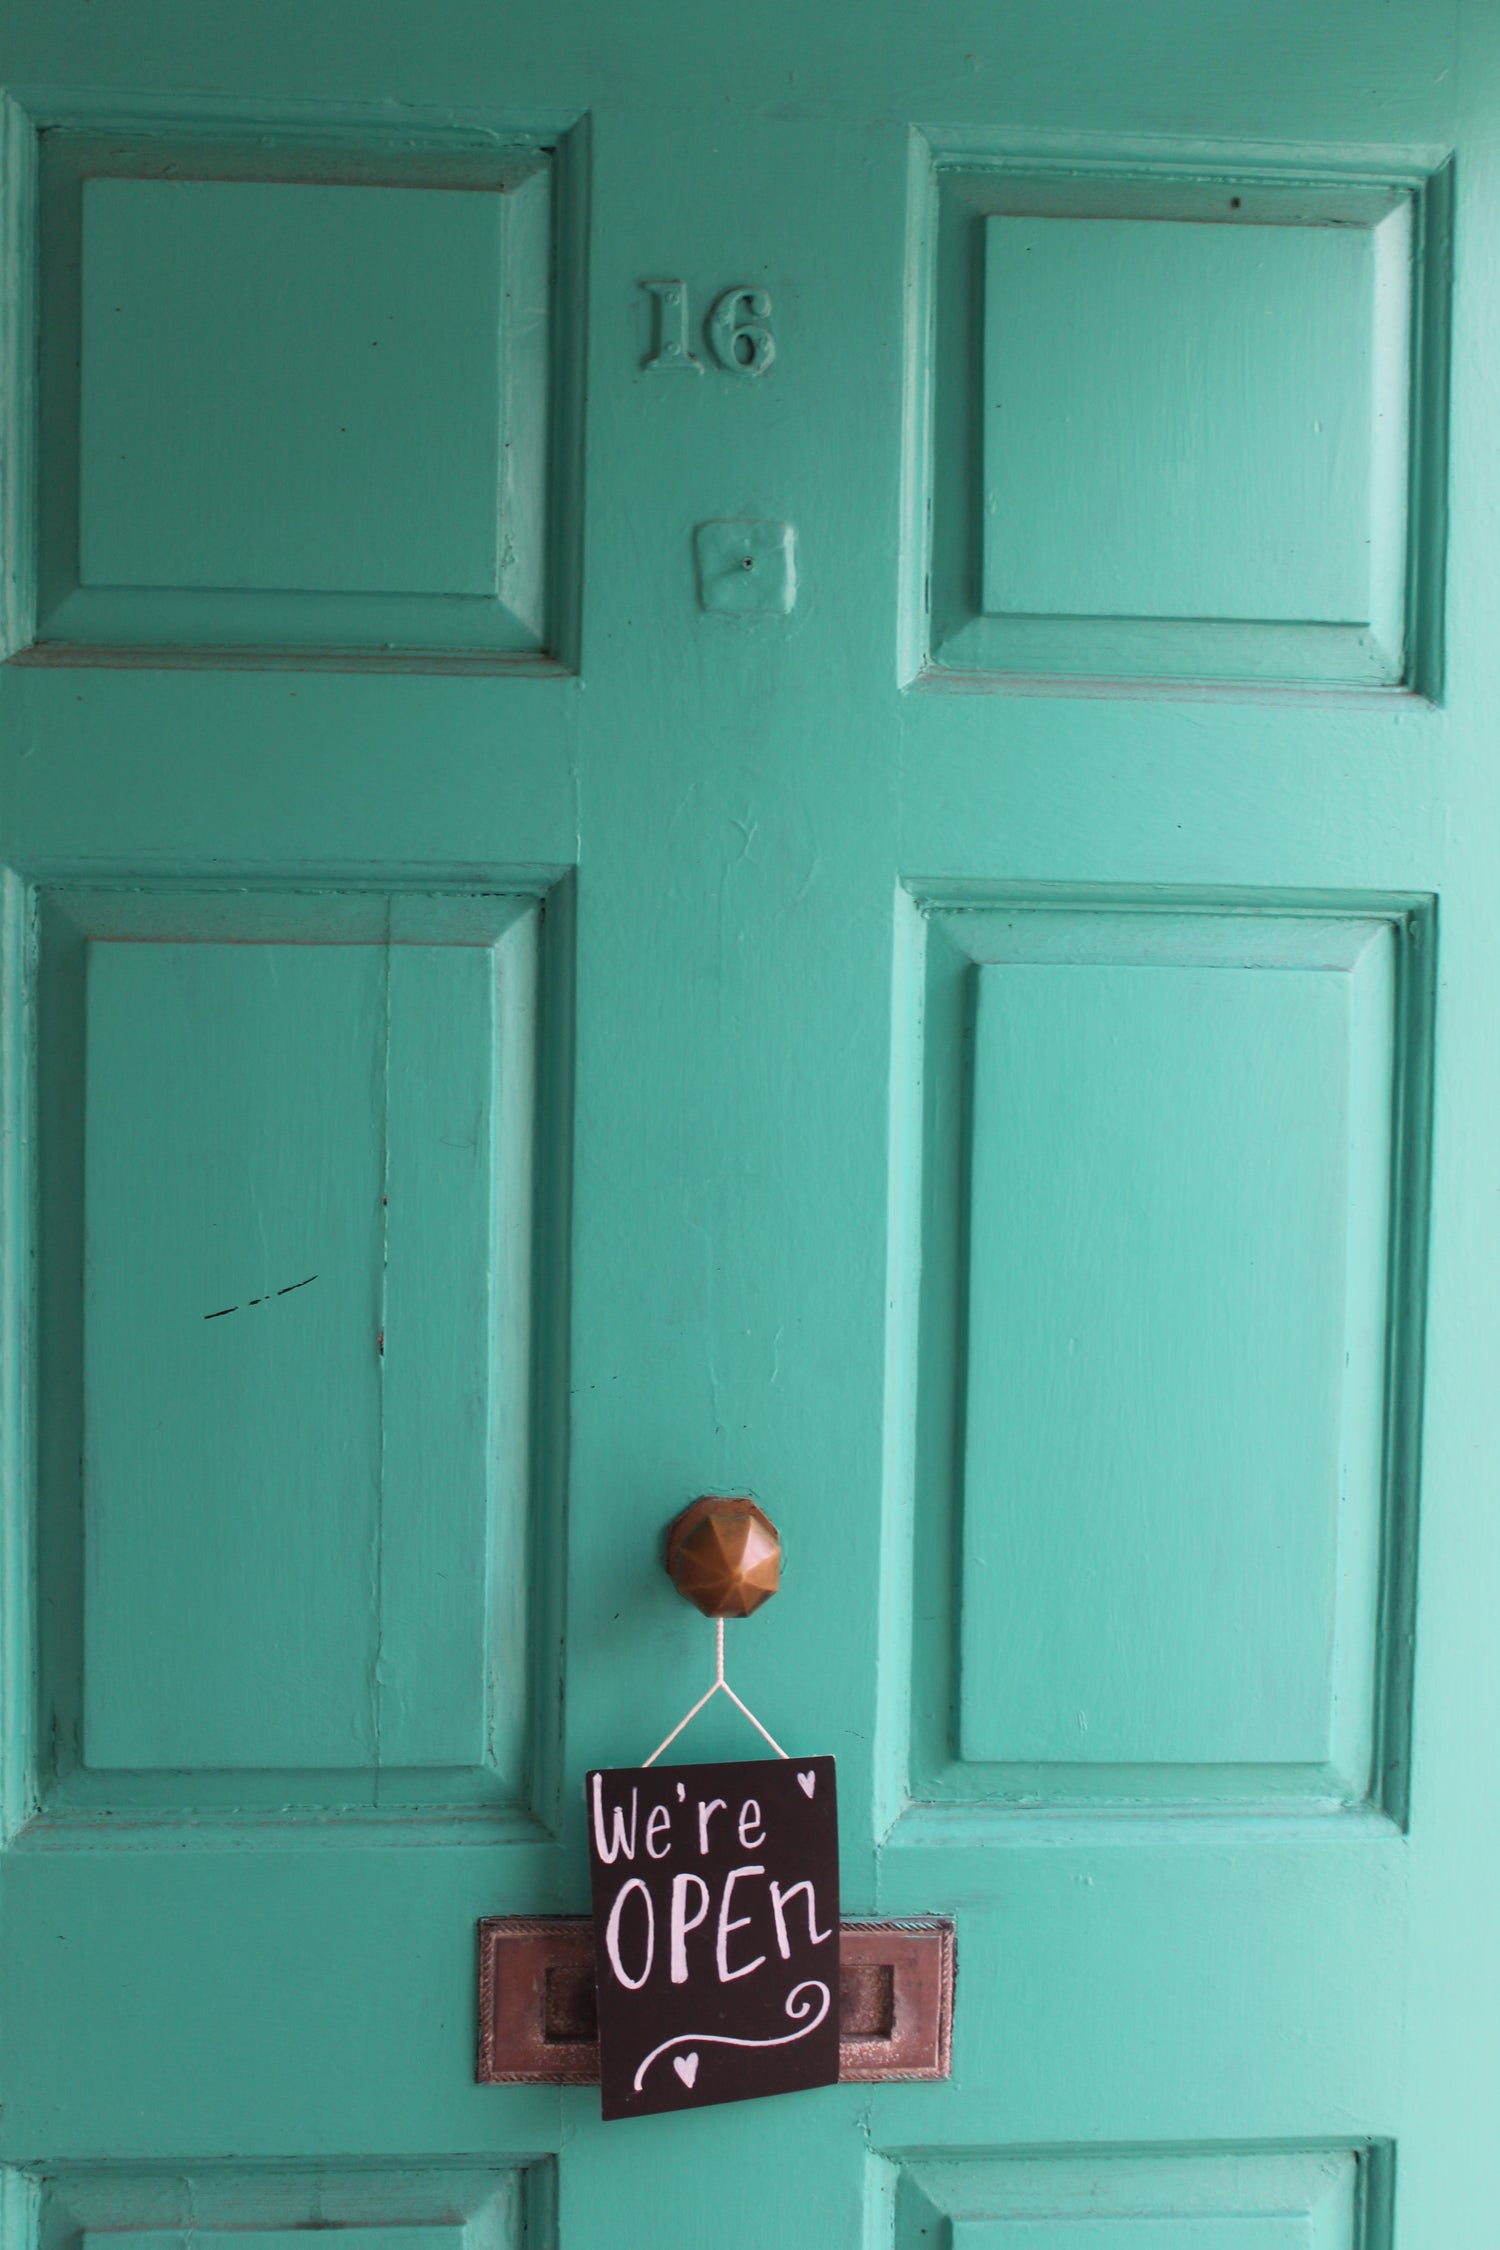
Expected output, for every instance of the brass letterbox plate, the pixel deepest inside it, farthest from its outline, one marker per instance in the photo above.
(538, 2027)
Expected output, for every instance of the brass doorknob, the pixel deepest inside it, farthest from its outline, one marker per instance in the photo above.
(724, 1556)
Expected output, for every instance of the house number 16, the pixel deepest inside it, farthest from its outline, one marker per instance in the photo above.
(738, 329)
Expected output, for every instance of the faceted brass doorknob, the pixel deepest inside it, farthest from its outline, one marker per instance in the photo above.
(724, 1556)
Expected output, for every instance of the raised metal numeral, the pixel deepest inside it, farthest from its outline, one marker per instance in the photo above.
(739, 331)
(670, 315)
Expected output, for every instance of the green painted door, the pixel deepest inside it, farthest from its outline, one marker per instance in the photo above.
(752, 750)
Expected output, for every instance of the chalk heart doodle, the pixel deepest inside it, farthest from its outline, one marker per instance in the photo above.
(716, 1919)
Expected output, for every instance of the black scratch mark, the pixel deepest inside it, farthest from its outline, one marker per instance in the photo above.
(286, 1292)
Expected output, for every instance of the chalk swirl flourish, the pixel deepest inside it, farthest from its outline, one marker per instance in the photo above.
(723, 2039)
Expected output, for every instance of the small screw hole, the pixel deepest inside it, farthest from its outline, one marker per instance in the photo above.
(748, 563)
(1234, 203)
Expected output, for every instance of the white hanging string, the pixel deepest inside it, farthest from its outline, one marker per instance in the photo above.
(720, 1684)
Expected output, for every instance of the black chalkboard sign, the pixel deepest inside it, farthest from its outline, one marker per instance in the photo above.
(716, 1931)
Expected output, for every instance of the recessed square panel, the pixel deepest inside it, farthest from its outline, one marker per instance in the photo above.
(1177, 427)
(1165, 1308)
(302, 400)
(291, 387)
(1179, 420)
(293, 1140)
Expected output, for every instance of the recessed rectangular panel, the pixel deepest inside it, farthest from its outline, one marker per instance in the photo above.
(1179, 419)
(1170, 1211)
(444, 2237)
(233, 1285)
(308, 1188)
(290, 386)
(1285, 2230)
(1158, 1259)
(272, 2204)
(1297, 2200)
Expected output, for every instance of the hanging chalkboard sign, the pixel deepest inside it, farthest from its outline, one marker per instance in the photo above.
(716, 1929)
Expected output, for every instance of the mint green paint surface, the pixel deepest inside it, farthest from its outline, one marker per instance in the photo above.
(335, 1456)
(1147, 1131)
(257, 322)
(410, 2207)
(1220, 2202)
(329, 305)
(996, 1057)
(1221, 374)
(225, 1104)
(445, 2237)
(1161, 1168)
(232, 1106)
(1207, 392)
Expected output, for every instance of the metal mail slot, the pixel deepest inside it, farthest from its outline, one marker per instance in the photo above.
(538, 2023)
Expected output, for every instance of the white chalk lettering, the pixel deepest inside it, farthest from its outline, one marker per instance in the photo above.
(728, 1922)
(705, 1815)
(750, 1818)
(612, 1934)
(618, 1843)
(658, 1823)
(682, 1921)
(780, 1900)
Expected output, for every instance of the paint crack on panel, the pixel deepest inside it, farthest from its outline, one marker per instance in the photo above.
(269, 1298)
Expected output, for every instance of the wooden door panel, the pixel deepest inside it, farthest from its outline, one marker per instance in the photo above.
(437, 2208)
(447, 2236)
(1301, 2201)
(229, 1128)
(237, 1084)
(1243, 356)
(1181, 426)
(1150, 1557)
(242, 448)
(278, 285)
(1172, 1193)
